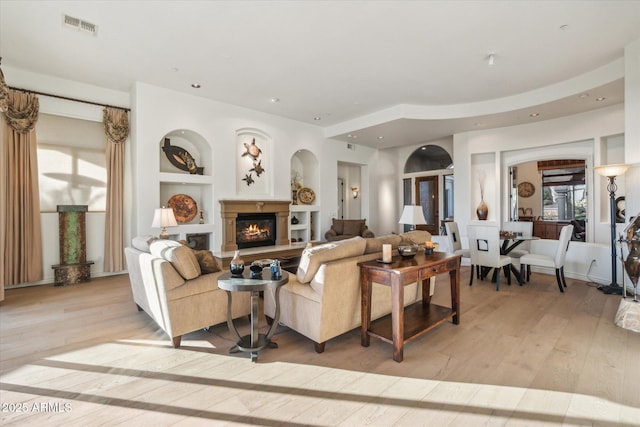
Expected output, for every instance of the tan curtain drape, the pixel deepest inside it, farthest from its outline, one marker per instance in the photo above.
(116, 129)
(20, 236)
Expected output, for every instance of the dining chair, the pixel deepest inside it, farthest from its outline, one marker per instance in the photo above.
(484, 248)
(455, 244)
(551, 261)
(526, 228)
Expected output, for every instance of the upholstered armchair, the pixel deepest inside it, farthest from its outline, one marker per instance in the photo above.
(347, 228)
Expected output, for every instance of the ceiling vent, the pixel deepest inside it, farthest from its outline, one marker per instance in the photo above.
(80, 25)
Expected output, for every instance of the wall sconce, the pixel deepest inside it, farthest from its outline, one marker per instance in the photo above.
(163, 218)
(355, 191)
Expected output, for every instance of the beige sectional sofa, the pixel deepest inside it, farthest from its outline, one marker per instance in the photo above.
(168, 284)
(322, 300)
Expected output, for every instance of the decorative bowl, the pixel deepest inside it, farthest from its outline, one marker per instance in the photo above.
(408, 251)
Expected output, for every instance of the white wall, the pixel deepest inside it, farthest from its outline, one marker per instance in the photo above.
(594, 135)
(158, 111)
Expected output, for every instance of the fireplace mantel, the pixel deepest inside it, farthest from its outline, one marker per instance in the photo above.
(229, 210)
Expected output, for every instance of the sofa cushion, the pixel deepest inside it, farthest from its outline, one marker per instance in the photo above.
(313, 257)
(142, 243)
(180, 257)
(374, 244)
(338, 225)
(353, 227)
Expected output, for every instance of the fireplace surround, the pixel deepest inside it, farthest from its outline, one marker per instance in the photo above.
(229, 210)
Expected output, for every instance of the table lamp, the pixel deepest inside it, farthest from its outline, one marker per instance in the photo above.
(163, 218)
(611, 172)
(412, 215)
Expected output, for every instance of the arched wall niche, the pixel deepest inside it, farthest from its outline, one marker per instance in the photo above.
(304, 170)
(194, 143)
(428, 158)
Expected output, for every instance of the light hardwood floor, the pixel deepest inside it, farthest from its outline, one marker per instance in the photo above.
(524, 356)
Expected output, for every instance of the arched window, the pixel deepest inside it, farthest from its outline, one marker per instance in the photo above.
(428, 158)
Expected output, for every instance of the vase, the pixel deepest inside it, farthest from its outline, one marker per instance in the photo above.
(632, 264)
(237, 264)
(482, 211)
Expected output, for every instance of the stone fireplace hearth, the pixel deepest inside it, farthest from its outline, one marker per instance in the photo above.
(229, 210)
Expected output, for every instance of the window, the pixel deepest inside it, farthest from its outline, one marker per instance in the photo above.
(564, 195)
(71, 163)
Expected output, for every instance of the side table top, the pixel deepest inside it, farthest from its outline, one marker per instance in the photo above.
(245, 283)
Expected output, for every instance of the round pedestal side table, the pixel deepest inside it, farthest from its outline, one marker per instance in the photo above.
(255, 341)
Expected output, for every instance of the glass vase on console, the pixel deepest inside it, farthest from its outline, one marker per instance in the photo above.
(237, 265)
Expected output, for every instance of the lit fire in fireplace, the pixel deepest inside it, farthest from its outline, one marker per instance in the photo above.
(253, 232)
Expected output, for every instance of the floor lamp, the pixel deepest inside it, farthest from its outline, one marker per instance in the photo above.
(611, 172)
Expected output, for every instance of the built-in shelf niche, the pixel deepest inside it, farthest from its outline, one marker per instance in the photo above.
(304, 168)
(172, 181)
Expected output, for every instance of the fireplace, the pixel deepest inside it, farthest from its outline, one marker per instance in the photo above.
(256, 229)
(232, 210)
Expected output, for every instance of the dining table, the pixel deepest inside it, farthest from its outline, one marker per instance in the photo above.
(511, 240)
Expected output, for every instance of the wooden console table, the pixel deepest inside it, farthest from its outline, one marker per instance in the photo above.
(404, 324)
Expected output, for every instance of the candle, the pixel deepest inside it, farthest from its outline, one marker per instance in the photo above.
(428, 244)
(386, 253)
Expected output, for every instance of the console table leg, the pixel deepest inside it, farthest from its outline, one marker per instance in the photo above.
(397, 318)
(365, 309)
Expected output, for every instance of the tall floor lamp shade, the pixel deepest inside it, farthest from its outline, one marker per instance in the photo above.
(611, 172)
(412, 215)
(163, 218)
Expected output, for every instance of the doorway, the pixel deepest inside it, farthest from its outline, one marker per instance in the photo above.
(427, 197)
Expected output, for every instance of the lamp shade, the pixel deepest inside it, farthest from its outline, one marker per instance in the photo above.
(412, 215)
(164, 217)
(611, 170)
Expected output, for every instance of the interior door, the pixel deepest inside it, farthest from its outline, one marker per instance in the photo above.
(427, 197)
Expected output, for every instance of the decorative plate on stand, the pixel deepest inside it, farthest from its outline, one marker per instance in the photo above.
(306, 195)
(184, 207)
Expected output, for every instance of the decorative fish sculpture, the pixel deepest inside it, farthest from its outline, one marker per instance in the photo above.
(180, 158)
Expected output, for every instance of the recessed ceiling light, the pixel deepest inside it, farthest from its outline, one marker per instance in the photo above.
(317, 118)
(274, 100)
(584, 95)
(477, 124)
(534, 114)
(381, 137)
(195, 85)
(601, 98)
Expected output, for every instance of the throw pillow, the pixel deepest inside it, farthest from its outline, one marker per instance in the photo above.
(338, 225)
(353, 227)
(183, 260)
(206, 260)
(313, 257)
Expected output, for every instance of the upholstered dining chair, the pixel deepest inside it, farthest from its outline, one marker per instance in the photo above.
(526, 228)
(550, 261)
(455, 244)
(484, 248)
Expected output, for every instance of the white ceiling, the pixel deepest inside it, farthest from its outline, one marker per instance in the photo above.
(410, 71)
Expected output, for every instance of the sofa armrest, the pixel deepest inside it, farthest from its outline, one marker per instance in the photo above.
(366, 233)
(330, 234)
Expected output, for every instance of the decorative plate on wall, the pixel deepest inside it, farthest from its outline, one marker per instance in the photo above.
(184, 207)
(306, 195)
